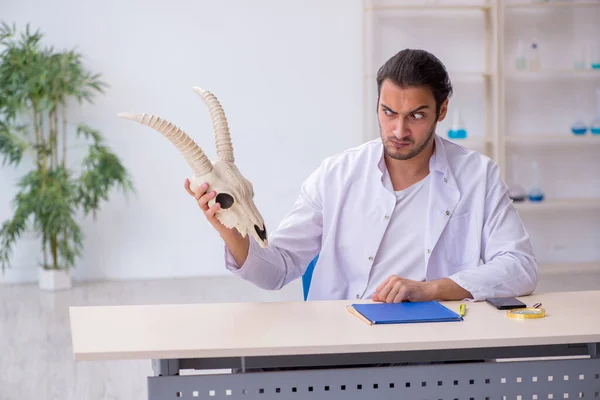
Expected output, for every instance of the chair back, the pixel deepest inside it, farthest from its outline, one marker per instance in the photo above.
(307, 277)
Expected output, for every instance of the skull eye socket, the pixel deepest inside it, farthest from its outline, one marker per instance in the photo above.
(225, 200)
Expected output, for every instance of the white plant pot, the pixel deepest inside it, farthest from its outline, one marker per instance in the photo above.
(54, 279)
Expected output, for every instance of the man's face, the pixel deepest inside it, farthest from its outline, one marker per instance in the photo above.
(407, 119)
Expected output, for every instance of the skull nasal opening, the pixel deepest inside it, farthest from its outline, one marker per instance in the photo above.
(262, 233)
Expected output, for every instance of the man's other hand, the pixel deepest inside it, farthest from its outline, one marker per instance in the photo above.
(396, 289)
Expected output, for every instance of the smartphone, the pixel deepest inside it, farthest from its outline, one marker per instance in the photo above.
(507, 303)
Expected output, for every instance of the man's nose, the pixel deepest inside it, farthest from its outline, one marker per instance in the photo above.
(400, 129)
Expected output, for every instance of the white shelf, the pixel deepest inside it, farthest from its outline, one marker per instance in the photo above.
(471, 142)
(566, 139)
(456, 75)
(559, 205)
(579, 267)
(469, 75)
(555, 4)
(430, 7)
(552, 73)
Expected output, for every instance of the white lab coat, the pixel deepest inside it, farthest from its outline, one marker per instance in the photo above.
(473, 233)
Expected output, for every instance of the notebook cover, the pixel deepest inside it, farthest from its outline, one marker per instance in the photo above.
(398, 313)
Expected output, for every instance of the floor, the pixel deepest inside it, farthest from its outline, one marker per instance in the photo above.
(35, 344)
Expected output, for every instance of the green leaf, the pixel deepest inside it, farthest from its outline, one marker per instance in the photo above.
(102, 171)
(12, 145)
(13, 228)
(87, 132)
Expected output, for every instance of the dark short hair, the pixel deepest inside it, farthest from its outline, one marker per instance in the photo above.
(413, 67)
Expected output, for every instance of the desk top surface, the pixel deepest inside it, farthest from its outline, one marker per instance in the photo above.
(320, 327)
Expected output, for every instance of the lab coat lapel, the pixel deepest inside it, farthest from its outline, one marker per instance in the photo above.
(442, 202)
(443, 197)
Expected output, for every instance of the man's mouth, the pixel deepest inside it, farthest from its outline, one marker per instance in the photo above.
(400, 144)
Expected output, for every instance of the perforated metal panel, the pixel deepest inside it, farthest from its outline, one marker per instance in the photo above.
(556, 379)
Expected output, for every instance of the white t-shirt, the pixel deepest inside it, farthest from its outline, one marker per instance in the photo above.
(401, 252)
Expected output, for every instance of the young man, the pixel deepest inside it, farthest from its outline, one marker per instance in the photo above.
(408, 217)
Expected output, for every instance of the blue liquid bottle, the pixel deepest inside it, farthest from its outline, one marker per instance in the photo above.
(579, 127)
(458, 130)
(595, 125)
(595, 57)
(535, 194)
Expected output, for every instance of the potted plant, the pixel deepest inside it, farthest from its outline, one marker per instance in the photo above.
(37, 87)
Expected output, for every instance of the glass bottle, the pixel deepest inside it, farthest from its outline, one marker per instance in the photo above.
(535, 193)
(521, 61)
(516, 192)
(580, 57)
(579, 127)
(595, 125)
(534, 57)
(458, 130)
(594, 56)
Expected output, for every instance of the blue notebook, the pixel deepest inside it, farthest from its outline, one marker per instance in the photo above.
(399, 313)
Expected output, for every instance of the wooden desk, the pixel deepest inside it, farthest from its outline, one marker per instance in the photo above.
(316, 334)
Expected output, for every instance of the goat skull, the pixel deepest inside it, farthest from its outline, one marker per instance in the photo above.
(235, 193)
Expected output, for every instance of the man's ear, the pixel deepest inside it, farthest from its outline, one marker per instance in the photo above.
(443, 111)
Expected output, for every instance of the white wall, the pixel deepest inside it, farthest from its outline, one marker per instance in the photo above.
(287, 73)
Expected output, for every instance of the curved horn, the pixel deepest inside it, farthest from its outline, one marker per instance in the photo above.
(192, 153)
(222, 136)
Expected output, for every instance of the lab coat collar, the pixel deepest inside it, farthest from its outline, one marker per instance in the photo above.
(438, 162)
(441, 164)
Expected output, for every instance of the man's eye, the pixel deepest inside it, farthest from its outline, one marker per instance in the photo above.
(387, 112)
(418, 116)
